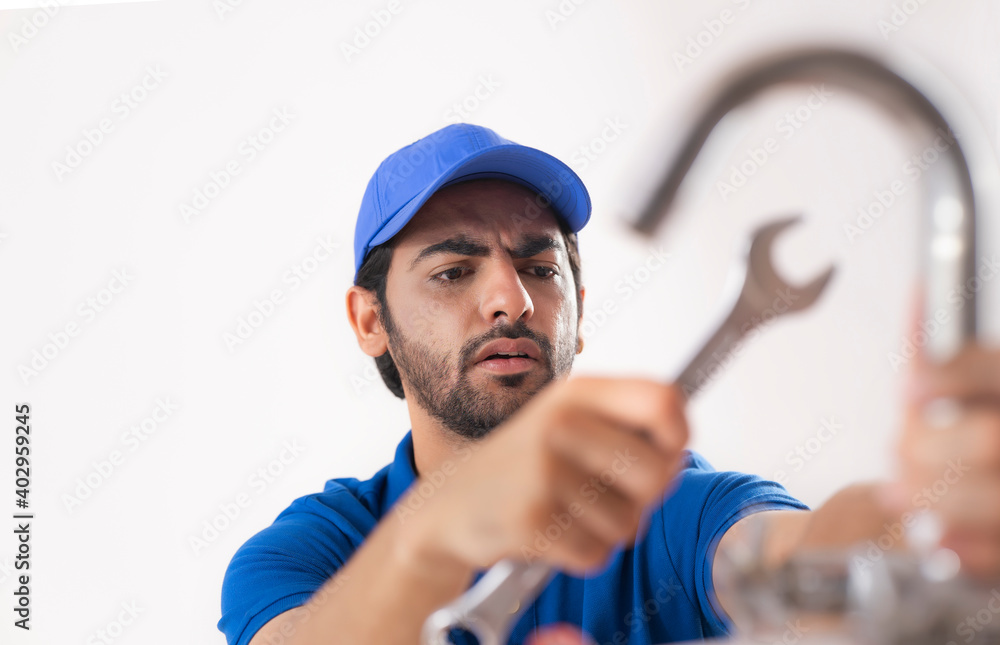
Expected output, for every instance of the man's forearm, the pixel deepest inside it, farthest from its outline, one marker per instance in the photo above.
(382, 595)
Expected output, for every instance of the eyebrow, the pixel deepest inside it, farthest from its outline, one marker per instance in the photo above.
(530, 246)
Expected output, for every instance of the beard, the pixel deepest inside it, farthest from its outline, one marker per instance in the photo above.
(461, 407)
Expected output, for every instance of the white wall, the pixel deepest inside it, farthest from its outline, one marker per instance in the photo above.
(64, 235)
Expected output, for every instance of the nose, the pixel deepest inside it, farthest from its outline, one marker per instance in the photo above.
(504, 294)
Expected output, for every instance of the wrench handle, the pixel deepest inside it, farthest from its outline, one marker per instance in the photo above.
(715, 352)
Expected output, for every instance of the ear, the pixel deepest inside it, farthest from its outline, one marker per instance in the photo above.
(362, 313)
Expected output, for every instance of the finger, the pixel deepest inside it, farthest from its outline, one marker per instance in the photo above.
(972, 375)
(970, 507)
(553, 529)
(638, 404)
(972, 434)
(612, 457)
(602, 510)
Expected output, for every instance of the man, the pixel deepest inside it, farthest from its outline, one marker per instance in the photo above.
(468, 294)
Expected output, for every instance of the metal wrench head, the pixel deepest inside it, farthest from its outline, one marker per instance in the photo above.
(763, 284)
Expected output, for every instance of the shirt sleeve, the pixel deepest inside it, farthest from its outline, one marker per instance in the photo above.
(282, 566)
(705, 504)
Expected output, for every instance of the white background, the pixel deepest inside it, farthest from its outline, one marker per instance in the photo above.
(300, 377)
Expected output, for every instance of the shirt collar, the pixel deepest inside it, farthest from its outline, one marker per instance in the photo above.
(402, 472)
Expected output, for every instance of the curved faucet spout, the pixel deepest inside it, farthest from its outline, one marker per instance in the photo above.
(961, 187)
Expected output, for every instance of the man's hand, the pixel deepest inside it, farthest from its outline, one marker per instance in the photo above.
(565, 479)
(950, 453)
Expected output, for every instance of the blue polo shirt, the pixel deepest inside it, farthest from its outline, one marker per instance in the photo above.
(657, 591)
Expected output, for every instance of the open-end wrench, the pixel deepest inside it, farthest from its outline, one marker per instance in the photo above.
(491, 608)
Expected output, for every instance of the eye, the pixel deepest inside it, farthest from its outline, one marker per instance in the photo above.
(454, 273)
(541, 271)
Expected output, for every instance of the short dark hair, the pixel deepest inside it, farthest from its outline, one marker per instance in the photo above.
(373, 274)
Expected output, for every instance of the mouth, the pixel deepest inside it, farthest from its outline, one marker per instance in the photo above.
(508, 356)
(507, 363)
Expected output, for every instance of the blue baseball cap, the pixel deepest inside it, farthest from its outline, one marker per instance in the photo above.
(460, 152)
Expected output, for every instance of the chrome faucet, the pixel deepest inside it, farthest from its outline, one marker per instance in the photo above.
(961, 188)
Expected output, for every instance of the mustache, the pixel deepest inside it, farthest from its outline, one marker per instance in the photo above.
(516, 330)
